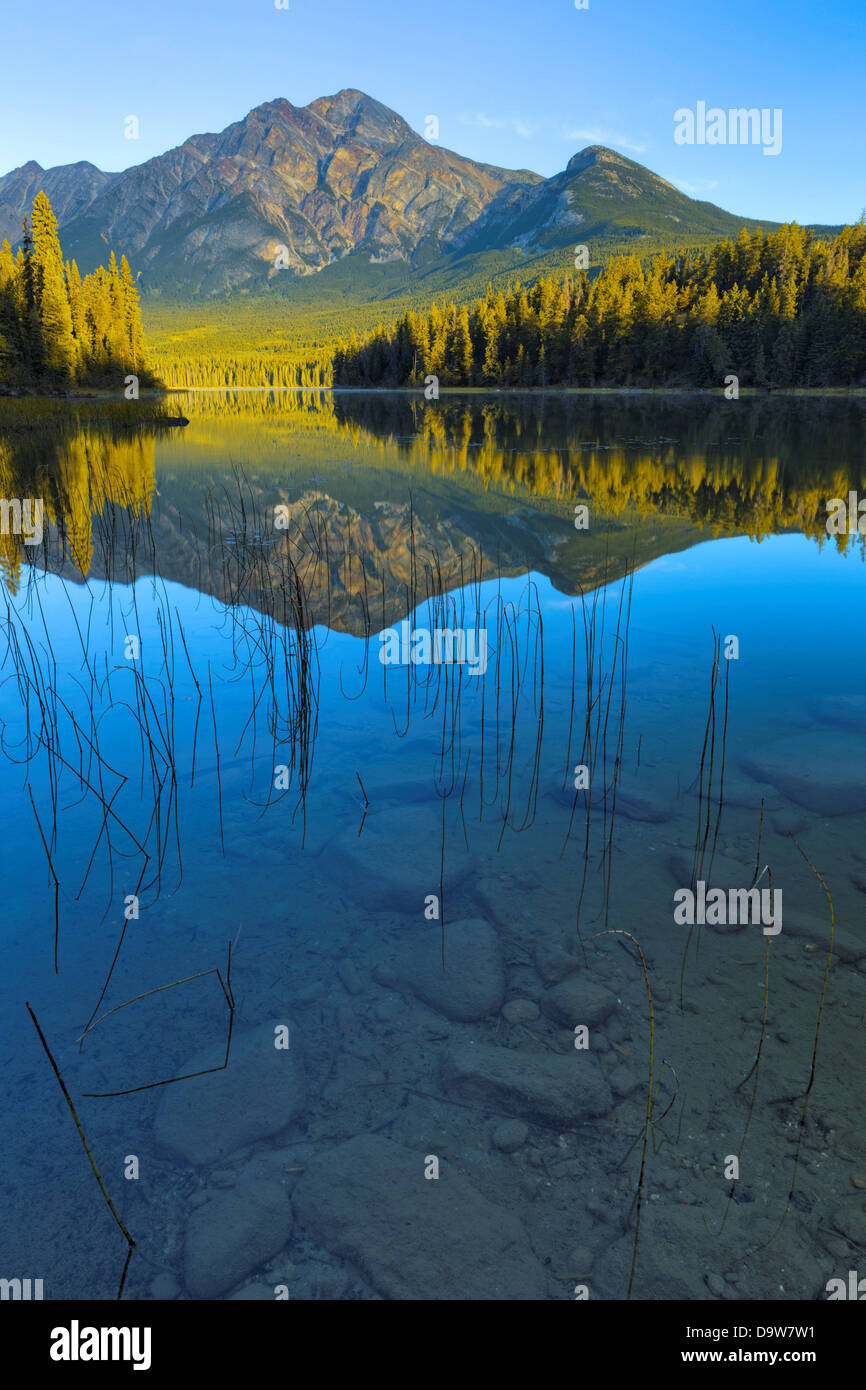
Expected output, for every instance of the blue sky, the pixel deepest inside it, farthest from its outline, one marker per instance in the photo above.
(523, 85)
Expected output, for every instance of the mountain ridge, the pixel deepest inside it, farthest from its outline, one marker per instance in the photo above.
(302, 188)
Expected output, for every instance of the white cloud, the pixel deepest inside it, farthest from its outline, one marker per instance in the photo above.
(525, 129)
(489, 122)
(594, 135)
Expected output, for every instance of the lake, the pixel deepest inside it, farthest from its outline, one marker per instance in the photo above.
(435, 856)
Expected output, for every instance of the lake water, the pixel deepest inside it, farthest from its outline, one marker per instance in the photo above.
(385, 909)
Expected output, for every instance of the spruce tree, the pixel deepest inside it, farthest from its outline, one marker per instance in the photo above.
(58, 350)
(30, 342)
(73, 289)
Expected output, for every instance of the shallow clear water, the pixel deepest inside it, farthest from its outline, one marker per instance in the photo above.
(397, 854)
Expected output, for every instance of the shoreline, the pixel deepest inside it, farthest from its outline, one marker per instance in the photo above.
(73, 398)
(746, 391)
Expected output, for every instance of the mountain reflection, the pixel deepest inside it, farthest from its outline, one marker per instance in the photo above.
(386, 496)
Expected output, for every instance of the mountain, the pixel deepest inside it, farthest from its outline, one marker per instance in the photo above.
(340, 175)
(599, 194)
(71, 189)
(346, 177)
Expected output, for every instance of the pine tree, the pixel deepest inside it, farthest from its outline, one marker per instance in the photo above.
(10, 348)
(136, 359)
(29, 337)
(73, 289)
(58, 350)
(463, 356)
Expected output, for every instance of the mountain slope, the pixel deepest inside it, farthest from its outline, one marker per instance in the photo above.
(599, 194)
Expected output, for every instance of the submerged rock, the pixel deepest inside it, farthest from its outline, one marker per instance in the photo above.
(578, 1000)
(258, 1094)
(580, 1262)
(849, 944)
(845, 711)
(351, 980)
(164, 1286)
(510, 1136)
(818, 771)
(396, 859)
(559, 1090)
(472, 984)
(233, 1234)
(623, 1080)
(677, 1250)
(520, 1011)
(641, 808)
(653, 810)
(553, 962)
(413, 1238)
